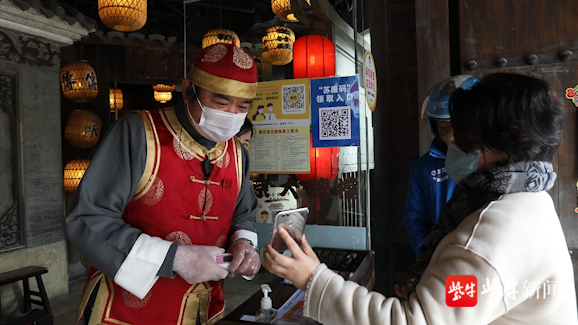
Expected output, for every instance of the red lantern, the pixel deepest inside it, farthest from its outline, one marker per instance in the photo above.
(324, 164)
(313, 57)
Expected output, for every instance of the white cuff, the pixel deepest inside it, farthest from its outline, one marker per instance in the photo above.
(138, 272)
(252, 236)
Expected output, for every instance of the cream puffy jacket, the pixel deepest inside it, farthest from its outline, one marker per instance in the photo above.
(514, 246)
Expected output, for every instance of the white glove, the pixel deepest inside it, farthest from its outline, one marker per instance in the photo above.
(196, 263)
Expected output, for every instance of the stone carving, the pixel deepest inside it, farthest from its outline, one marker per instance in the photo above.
(28, 50)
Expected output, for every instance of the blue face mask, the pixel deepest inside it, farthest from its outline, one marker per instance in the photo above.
(460, 164)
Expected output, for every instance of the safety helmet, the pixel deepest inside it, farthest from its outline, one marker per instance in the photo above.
(436, 102)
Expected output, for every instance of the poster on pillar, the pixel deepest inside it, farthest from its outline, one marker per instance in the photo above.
(335, 112)
(281, 118)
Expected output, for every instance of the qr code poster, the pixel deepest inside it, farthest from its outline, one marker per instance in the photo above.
(281, 103)
(293, 99)
(335, 112)
(334, 123)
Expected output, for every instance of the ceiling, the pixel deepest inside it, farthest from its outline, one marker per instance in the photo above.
(248, 18)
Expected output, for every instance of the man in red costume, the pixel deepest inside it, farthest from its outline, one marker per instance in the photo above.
(166, 192)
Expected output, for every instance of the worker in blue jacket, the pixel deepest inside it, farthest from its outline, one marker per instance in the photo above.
(430, 186)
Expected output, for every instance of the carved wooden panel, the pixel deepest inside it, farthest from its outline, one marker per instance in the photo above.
(10, 212)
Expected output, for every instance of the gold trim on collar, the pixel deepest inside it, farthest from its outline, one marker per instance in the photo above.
(189, 144)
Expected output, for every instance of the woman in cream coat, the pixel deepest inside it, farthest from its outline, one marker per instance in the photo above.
(500, 226)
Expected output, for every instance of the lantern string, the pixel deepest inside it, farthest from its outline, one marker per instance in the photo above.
(115, 99)
(185, 39)
(81, 48)
(220, 16)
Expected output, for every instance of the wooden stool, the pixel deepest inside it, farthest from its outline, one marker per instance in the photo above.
(24, 274)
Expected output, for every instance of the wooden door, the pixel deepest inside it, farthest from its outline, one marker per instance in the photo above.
(537, 38)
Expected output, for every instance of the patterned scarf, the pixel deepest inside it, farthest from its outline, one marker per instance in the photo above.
(476, 190)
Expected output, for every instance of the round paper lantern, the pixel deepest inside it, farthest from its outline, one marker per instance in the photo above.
(78, 81)
(82, 128)
(115, 99)
(313, 57)
(73, 173)
(278, 45)
(221, 35)
(123, 15)
(324, 163)
(163, 93)
(282, 9)
(163, 97)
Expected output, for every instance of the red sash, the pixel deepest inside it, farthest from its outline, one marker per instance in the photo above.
(174, 202)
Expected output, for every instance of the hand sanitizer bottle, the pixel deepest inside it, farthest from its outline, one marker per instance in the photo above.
(266, 314)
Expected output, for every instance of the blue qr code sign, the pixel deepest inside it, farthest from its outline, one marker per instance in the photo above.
(335, 123)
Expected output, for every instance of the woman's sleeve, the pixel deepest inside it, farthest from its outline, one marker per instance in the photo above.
(332, 300)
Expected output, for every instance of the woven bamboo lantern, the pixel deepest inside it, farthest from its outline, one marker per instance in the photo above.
(163, 93)
(78, 81)
(123, 15)
(282, 9)
(163, 97)
(278, 45)
(221, 35)
(115, 99)
(82, 128)
(73, 173)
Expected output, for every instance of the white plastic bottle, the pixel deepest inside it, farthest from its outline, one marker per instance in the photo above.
(266, 314)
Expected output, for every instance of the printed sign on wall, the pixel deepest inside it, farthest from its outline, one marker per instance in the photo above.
(281, 117)
(335, 112)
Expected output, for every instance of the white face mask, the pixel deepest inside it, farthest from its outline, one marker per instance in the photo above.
(217, 125)
(460, 164)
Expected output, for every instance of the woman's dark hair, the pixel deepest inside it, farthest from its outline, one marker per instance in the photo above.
(512, 113)
(247, 126)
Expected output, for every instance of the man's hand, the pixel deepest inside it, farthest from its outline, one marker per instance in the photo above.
(246, 260)
(196, 263)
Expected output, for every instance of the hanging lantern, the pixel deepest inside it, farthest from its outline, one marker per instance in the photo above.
(221, 35)
(324, 163)
(163, 93)
(278, 45)
(123, 15)
(73, 173)
(282, 9)
(163, 97)
(82, 128)
(313, 57)
(78, 81)
(115, 99)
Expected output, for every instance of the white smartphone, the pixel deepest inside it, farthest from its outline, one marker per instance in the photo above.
(291, 220)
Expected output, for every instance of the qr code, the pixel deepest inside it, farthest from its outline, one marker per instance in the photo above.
(335, 123)
(293, 99)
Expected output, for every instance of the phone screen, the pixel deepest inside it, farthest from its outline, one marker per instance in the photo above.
(291, 220)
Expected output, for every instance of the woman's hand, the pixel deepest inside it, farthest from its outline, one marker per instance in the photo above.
(297, 268)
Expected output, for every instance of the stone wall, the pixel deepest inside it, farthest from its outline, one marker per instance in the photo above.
(51, 256)
(38, 160)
